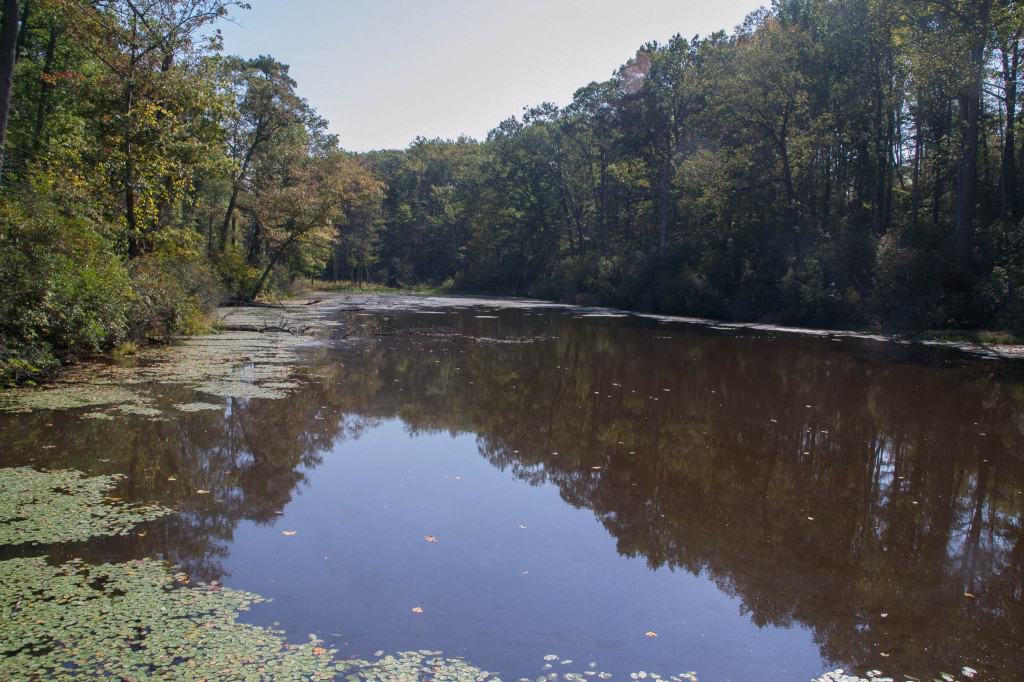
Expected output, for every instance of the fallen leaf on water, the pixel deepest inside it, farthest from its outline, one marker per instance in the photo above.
(430, 538)
(319, 650)
(651, 633)
(289, 533)
(417, 609)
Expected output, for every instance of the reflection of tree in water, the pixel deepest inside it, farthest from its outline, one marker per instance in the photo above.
(910, 506)
(717, 475)
(251, 456)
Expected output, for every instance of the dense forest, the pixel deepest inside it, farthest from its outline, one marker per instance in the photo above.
(829, 162)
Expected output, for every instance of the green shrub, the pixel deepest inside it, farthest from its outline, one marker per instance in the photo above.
(65, 293)
(174, 288)
(236, 277)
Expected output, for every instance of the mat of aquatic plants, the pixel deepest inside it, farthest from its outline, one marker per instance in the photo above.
(428, 488)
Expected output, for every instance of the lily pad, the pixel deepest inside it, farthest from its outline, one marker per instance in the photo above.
(63, 506)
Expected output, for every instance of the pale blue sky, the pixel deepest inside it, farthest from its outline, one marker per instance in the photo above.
(385, 71)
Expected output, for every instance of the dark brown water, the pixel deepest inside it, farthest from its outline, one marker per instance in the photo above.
(772, 506)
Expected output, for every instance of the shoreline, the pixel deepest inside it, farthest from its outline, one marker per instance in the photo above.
(311, 306)
(986, 351)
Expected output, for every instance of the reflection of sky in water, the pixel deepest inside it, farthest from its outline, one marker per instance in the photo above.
(759, 515)
(359, 563)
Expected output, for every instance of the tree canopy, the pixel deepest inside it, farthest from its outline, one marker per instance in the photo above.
(829, 162)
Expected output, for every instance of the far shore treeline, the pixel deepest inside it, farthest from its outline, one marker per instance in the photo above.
(829, 162)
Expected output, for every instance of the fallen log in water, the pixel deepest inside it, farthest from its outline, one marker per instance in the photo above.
(259, 329)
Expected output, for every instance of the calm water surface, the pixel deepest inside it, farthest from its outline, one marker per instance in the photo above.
(772, 506)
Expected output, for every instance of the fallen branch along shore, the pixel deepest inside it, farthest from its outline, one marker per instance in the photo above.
(261, 329)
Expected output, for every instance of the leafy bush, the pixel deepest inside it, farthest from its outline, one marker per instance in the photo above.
(174, 288)
(65, 293)
(236, 276)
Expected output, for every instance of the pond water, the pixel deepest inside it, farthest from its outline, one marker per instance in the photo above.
(636, 494)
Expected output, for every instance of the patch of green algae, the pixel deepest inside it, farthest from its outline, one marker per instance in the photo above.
(63, 506)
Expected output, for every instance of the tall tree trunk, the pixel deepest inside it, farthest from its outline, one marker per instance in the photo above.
(255, 243)
(1008, 177)
(236, 184)
(791, 216)
(663, 203)
(134, 238)
(8, 54)
(270, 266)
(23, 33)
(970, 111)
(45, 88)
(915, 189)
(603, 193)
(226, 225)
